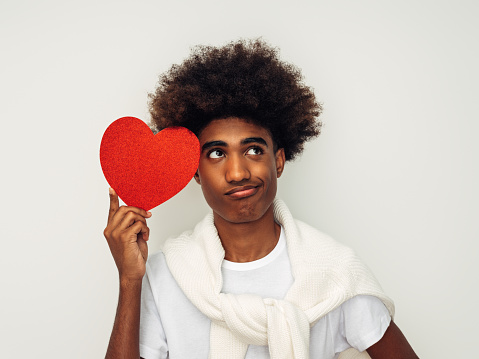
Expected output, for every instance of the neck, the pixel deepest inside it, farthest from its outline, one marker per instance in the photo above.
(249, 241)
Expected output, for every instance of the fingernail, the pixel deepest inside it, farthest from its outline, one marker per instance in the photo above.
(110, 190)
(148, 213)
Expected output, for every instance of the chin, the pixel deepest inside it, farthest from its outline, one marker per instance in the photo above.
(244, 212)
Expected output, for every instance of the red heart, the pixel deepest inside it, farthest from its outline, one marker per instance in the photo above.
(146, 169)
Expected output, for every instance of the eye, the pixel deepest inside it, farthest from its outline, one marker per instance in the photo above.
(255, 151)
(216, 154)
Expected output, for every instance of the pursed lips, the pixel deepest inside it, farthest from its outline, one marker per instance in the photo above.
(242, 191)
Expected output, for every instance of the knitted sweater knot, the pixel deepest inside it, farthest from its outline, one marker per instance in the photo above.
(326, 274)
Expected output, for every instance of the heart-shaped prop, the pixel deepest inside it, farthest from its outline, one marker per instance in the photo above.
(145, 169)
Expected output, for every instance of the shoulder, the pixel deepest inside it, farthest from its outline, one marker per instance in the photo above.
(322, 239)
(323, 250)
(157, 261)
(333, 266)
(306, 238)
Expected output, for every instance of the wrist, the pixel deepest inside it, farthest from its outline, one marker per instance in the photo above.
(128, 283)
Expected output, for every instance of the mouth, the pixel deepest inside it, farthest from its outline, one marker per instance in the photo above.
(242, 192)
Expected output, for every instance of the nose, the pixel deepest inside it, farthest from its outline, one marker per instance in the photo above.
(237, 169)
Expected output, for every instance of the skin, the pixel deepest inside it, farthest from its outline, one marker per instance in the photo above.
(238, 171)
(392, 345)
(126, 234)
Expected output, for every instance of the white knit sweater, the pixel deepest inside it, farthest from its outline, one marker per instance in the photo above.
(326, 275)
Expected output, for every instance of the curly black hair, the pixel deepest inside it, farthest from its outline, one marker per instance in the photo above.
(244, 79)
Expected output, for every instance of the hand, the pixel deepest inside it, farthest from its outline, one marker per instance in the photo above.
(126, 234)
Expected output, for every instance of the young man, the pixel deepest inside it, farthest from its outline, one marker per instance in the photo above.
(249, 280)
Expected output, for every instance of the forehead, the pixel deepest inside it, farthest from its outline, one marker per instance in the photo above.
(231, 130)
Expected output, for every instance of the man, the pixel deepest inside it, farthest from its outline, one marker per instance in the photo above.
(249, 280)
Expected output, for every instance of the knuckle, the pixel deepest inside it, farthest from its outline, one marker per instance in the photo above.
(123, 208)
(114, 234)
(130, 216)
(137, 210)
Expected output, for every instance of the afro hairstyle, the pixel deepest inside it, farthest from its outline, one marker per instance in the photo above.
(243, 79)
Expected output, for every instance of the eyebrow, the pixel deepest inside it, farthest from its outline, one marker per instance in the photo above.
(254, 140)
(210, 144)
(245, 141)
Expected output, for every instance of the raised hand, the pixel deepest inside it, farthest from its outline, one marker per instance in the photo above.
(126, 234)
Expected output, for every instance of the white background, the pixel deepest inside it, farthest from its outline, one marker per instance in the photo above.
(394, 173)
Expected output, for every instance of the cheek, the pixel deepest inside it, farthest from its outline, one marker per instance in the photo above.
(269, 170)
(268, 175)
(209, 184)
(273, 183)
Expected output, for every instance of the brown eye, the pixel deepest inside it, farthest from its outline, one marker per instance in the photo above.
(254, 151)
(216, 154)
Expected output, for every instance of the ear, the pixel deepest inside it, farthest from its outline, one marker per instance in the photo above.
(280, 161)
(197, 177)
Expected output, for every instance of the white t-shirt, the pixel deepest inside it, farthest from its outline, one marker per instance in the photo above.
(172, 327)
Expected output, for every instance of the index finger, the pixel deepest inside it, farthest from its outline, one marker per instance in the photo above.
(114, 204)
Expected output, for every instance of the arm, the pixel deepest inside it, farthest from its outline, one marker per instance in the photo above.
(124, 340)
(393, 345)
(126, 234)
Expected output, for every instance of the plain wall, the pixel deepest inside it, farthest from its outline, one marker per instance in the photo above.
(394, 173)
